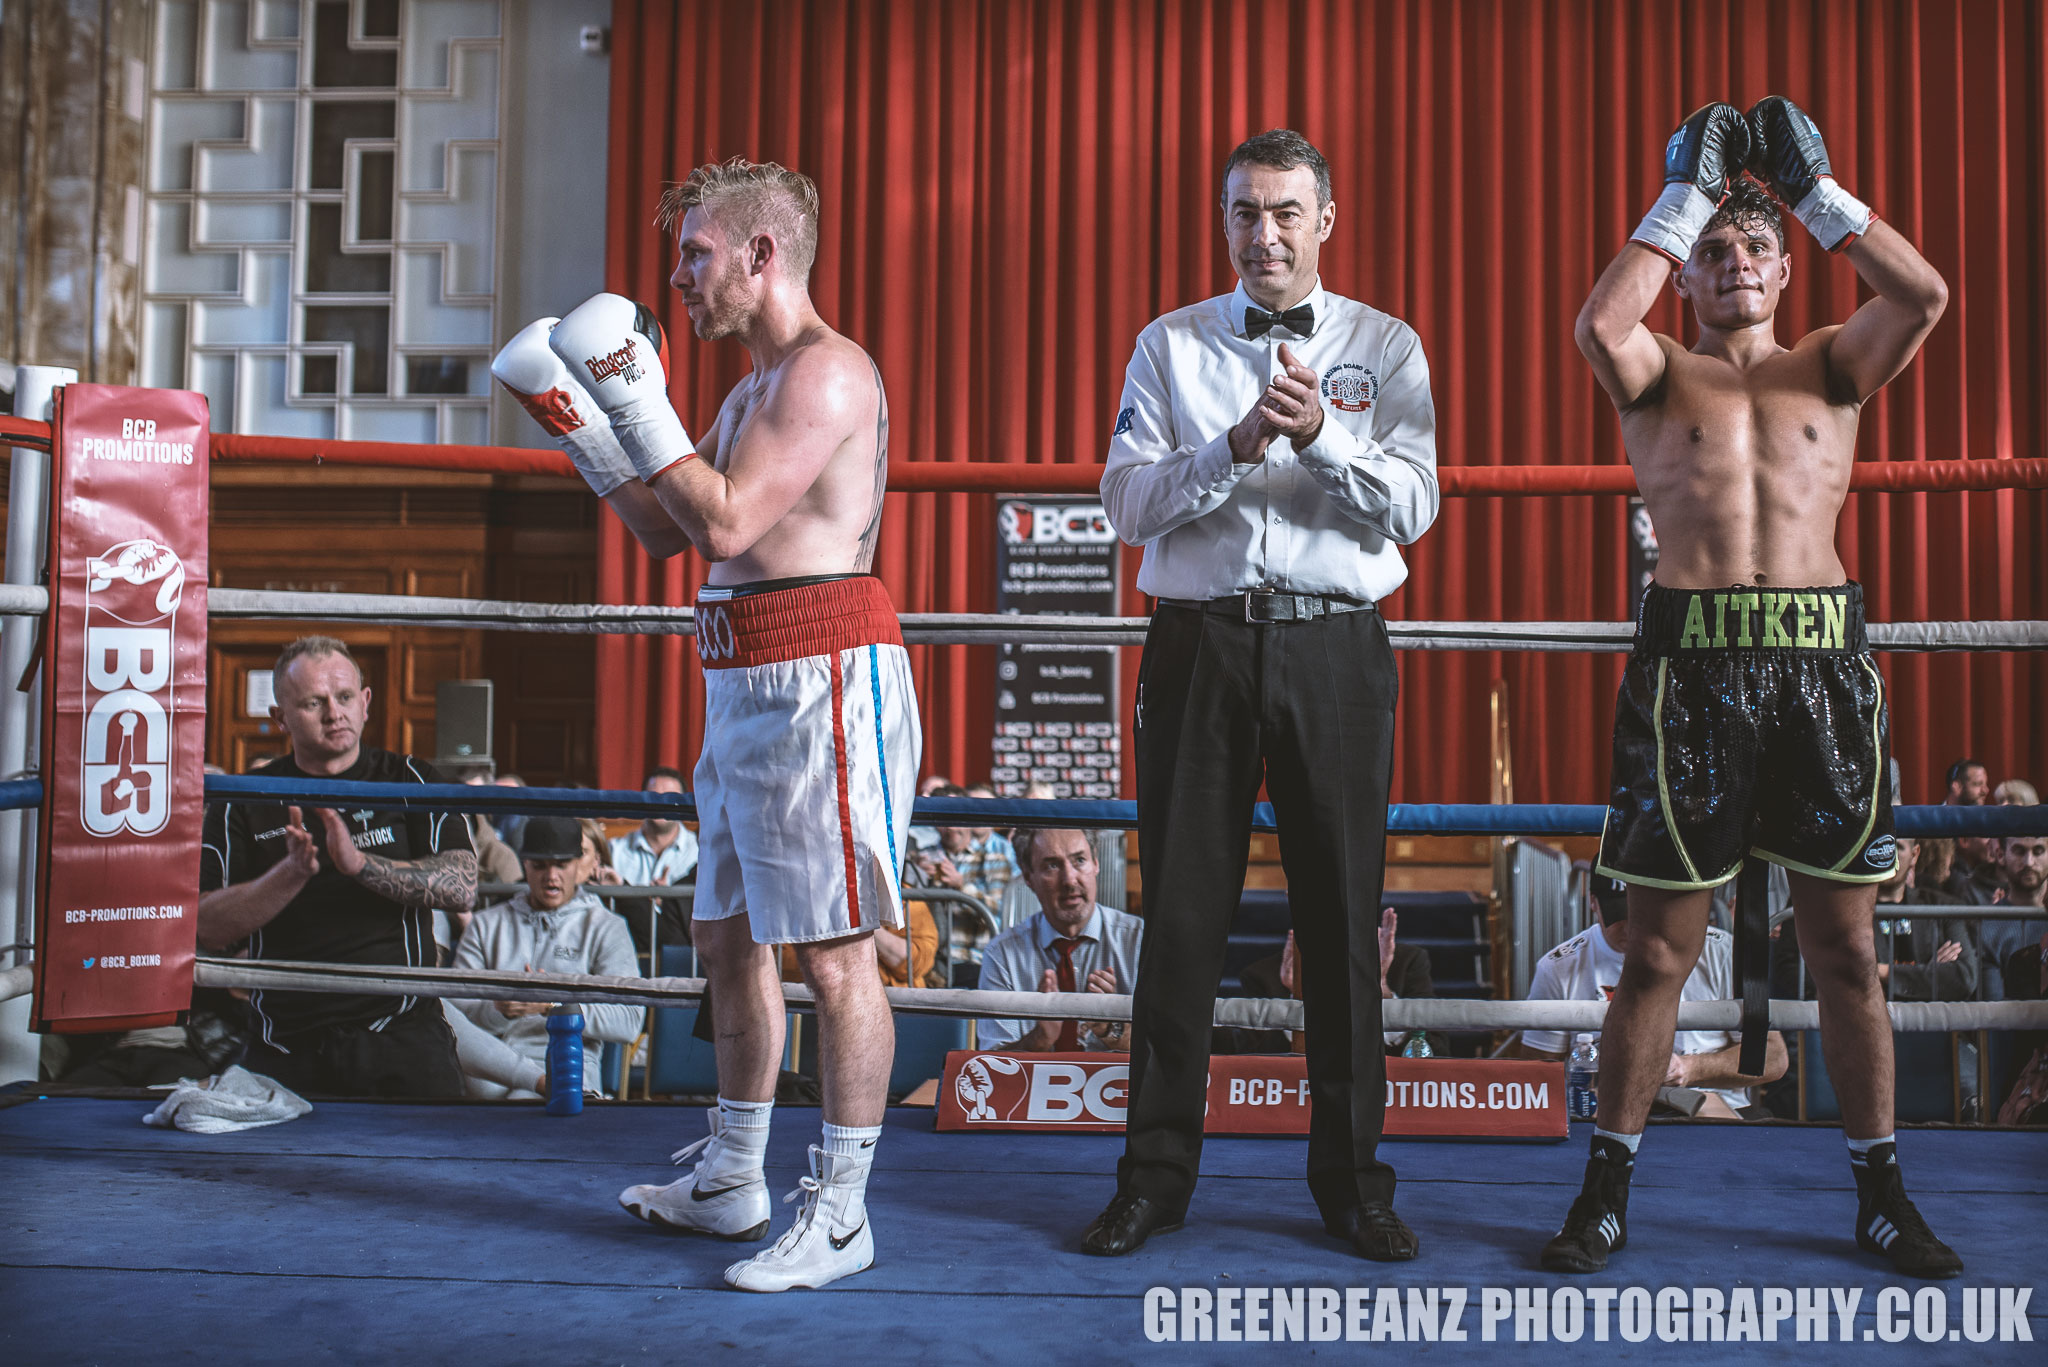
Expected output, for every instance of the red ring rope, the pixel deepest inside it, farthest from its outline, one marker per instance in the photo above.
(956, 476)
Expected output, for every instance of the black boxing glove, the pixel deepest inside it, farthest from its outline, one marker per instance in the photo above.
(1787, 151)
(1701, 163)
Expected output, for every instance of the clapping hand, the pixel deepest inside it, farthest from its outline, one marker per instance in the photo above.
(341, 847)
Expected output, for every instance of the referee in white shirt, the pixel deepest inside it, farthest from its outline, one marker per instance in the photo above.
(1274, 447)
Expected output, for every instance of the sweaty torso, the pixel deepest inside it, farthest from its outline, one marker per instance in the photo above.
(832, 527)
(1744, 471)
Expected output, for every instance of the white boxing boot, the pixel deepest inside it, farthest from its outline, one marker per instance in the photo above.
(830, 1238)
(725, 1195)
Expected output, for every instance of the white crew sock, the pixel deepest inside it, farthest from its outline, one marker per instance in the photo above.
(852, 1141)
(746, 1125)
(1627, 1141)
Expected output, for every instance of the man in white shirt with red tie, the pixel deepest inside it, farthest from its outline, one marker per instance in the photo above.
(1273, 449)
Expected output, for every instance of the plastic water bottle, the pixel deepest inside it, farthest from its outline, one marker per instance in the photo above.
(1581, 1075)
(1417, 1045)
(565, 1059)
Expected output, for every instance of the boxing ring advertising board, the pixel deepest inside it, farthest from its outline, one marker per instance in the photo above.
(124, 709)
(1084, 1093)
(1056, 705)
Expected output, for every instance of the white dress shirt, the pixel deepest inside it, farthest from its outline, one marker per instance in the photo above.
(1016, 960)
(1324, 520)
(641, 865)
(1586, 968)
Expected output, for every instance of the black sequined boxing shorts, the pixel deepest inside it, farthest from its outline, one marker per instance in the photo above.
(1749, 721)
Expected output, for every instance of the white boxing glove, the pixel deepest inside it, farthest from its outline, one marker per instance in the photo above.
(535, 376)
(613, 346)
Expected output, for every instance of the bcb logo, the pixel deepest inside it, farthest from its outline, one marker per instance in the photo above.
(994, 1088)
(132, 592)
(1079, 524)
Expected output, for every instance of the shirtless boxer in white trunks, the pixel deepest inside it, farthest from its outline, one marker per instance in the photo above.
(811, 733)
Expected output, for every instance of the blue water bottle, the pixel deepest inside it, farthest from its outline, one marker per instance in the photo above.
(1582, 1077)
(565, 1059)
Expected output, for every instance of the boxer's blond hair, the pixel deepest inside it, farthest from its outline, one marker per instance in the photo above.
(749, 198)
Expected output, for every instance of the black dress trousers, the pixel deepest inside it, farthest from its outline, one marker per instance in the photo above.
(1309, 707)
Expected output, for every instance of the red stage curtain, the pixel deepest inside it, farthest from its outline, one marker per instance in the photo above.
(1013, 188)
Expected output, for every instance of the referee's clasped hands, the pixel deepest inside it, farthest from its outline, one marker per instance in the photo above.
(1288, 407)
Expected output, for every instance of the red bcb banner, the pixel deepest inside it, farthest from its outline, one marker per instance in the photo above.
(124, 709)
(1252, 1094)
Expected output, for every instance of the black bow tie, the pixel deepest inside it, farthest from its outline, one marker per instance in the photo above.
(1300, 320)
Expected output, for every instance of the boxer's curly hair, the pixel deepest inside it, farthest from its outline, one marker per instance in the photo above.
(751, 197)
(1749, 206)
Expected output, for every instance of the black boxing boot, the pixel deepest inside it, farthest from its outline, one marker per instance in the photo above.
(1888, 1223)
(1597, 1224)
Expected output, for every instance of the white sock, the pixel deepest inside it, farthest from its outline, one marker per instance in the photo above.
(851, 1141)
(1859, 1150)
(1627, 1141)
(746, 1124)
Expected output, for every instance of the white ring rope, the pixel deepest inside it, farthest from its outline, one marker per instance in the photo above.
(1257, 1013)
(969, 628)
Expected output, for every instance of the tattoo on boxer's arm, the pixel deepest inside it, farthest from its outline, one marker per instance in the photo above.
(866, 557)
(446, 880)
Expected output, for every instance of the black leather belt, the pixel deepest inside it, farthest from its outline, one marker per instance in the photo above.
(1263, 605)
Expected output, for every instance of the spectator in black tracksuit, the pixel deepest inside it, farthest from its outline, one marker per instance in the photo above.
(352, 886)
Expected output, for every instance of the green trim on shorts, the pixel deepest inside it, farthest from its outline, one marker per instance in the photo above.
(1834, 875)
(1876, 783)
(1643, 880)
(1664, 790)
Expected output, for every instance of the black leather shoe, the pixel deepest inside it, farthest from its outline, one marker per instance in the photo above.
(1125, 1225)
(1375, 1231)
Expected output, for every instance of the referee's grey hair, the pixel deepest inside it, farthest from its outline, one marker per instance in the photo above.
(1283, 149)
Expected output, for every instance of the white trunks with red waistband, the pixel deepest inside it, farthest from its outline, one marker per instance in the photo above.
(809, 766)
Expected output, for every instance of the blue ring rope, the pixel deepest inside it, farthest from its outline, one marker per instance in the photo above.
(1403, 818)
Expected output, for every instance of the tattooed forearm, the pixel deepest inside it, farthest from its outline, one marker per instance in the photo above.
(446, 881)
(866, 558)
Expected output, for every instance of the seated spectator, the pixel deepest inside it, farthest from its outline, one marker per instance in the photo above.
(926, 838)
(1973, 872)
(554, 926)
(2026, 1094)
(496, 861)
(2015, 792)
(1702, 1080)
(1404, 972)
(1969, 784)
(512, 825)
(1112, 884)
(2022, 863)
(1974, 875)
(355, 886)
(659, 853)
(976, 861)
(1937, 860)
(1928, 959)
(1073, 944)
(905, 956)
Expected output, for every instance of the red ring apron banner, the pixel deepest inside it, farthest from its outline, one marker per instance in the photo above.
(124, 710)
(988, 1089)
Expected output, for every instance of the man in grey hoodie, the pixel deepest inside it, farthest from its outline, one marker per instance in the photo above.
(554, 926)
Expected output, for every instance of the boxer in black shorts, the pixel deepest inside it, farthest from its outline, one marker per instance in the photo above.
(1751, 721)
